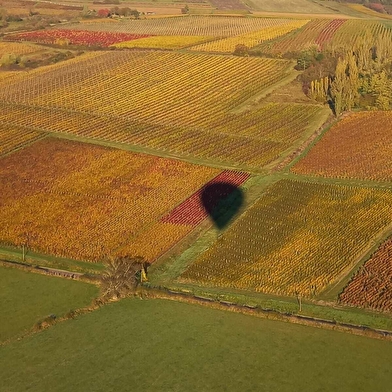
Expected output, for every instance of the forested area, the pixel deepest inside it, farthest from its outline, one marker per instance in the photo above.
(354, 76)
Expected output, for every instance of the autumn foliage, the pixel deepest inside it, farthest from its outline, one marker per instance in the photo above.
(358, 146)
(294, 240)
(103, 96)
(371, 286)
(85, 202)
(75, 37)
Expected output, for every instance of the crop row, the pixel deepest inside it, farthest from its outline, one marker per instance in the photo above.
(120, 84)
(296, 239)
(349, 150)
(74, 37)
(371, 287)
(252, 138)
(14, 137)
(314, 33)
(217, 26)
(327, 34)
(98, 202)
(155, 240)
(17, 48)
(165, 42)
(353, 30)
(250, 39)
(192, 211)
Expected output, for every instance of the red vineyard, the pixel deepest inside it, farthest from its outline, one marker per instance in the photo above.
(371, 287)
(192, 211)
(327, 33)
(75, 37)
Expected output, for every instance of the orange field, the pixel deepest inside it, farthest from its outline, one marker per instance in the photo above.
(371, 287)
(359, 146)
(84, 201)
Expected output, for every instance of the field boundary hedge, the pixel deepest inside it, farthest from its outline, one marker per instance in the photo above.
(269, 313)
(89, 278)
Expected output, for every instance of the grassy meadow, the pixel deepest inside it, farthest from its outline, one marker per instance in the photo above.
(159, 345)
(26, 298)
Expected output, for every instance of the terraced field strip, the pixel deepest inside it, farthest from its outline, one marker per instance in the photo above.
(165, 42)
(228, 45)
(77, 37)
(216, 26)
(251, 139)
(317, 32)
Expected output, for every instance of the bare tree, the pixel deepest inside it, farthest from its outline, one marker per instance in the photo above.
(122, 276)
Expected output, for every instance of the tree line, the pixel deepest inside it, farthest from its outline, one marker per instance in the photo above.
(356, 76)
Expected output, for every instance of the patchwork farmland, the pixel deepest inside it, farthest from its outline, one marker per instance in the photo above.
(114, 220)
(54, 100)
(239, 160)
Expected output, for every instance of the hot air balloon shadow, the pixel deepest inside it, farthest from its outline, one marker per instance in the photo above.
(222, 201)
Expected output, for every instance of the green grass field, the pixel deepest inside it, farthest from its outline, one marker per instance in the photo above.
(158, 345)
(26, 298)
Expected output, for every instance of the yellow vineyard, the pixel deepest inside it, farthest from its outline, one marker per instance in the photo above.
(164, 42)
(250, 39)
(295, 239)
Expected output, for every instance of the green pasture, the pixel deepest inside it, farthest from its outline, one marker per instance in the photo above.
(27, 298)
(158, 345)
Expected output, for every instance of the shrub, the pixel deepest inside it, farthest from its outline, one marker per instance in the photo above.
(241, 50)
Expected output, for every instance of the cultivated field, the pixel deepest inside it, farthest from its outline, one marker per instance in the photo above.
(295, 6)
(224, 169)
(27, 298)
(228, 45)
(76, 37)
(14, 137)
(323, 33)
(353, 30)
(170, 87)
(231, 352)
(371, 287)
(119, 84)
(294, 239)
(317, 32)
(217, 26)
(165, 42)
(190, 109)
(350, 150)
(84, 202)
(249, 139)
(17, 49)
